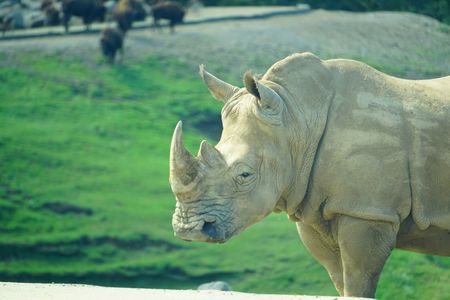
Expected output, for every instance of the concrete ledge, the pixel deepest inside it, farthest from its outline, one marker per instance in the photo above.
(38, 291)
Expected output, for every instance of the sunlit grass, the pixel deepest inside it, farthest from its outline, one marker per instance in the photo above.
(97, 138)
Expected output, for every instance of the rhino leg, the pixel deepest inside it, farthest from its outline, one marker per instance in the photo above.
(365, 246)
(326, 251)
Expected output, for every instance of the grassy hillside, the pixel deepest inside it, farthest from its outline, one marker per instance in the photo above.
(84, 193)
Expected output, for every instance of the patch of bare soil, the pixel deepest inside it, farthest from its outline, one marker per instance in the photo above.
(65, 208)
(417, 45)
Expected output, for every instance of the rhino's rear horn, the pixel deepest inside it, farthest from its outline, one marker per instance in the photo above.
(221, 90)
(183, 166)
(210, 155)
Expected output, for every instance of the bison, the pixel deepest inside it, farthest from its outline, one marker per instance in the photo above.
(6, 23)
(111, 41)
(52, 16)
(140, 12)
(88, 10)
(358, 159)
(168, 10)
(45, 4)
(11, 18)
(128, 11)
(51, 13)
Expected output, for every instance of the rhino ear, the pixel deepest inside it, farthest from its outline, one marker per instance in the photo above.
(220, 90)
(269, 102)
(250, 84)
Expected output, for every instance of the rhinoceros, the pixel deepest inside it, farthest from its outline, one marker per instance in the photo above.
(360, 160)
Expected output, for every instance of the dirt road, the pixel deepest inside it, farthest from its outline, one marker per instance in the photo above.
(418, 46)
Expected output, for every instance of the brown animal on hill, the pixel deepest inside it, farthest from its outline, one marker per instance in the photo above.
(127, 11)
(140, 14)
(6, 23)
(10, 18)
(51, 13)
(45, 4)
(168, 10)
(52, 16)
(111, 41)
(88, 10)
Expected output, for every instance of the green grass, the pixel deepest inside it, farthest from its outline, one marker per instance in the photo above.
(95, 141)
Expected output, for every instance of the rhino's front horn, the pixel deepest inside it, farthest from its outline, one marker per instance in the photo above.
(210, 155)
(183, 166)
(221, 90)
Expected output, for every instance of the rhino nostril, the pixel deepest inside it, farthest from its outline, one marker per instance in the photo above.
(209, 229)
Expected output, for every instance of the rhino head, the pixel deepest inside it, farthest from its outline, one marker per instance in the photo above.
(226, 188)
(271, 131)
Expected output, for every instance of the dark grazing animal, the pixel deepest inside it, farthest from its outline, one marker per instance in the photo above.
(88, 10)
(52, 16)
(168, 10)
(128, 11)
(46, 3)
(140, 14)
(51, 13)
(111, 41)
(6, 23)
(11, 19)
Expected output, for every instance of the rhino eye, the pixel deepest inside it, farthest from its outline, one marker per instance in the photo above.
(244, 178)
(245, 174)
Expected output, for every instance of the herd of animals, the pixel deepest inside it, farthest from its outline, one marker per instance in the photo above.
(123, 12)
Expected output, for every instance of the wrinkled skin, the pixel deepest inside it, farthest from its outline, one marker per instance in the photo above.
(358, 159)
(241, 191)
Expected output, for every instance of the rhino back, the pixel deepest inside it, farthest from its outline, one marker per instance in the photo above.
(385, 148)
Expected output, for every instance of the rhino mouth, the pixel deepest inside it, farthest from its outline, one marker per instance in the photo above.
(212, 223)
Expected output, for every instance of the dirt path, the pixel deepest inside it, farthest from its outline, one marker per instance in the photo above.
(417, 45)
(197, 16)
